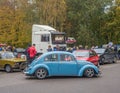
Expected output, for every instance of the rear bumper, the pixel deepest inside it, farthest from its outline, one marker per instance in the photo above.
(98, 74)
(27, 72)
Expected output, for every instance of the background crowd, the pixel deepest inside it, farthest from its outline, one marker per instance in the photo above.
(30, 52)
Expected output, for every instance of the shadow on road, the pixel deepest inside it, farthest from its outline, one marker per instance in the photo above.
(61, 77)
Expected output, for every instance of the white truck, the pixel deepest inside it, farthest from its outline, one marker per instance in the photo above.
(44, 35)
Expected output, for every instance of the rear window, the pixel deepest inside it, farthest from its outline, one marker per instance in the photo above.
(81, 53)
(99, 51)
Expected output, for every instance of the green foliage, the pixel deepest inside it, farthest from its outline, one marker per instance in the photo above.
(83, 19)
(13, 28)
(111, 27)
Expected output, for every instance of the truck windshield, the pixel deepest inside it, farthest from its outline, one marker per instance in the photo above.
(58, 38)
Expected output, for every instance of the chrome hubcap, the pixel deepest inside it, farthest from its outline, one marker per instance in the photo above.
(41, 73)
(7, 68)
(90, 72)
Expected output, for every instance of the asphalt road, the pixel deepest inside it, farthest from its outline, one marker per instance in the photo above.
(108, 82)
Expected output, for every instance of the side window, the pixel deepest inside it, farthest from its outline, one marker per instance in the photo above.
(66, 57)
(52, 57)
(45, 38)
(109, 50)
(92, 53)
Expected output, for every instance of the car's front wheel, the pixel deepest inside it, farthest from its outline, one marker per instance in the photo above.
(102, 60)
(89, 72)
(23, 65)
(8, 68)
(41, 73)
(115, 60)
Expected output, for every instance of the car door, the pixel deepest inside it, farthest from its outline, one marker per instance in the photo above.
(67, 65)
(107, 55)
(1, 63)
(93, 57)
(2, 60)
(52, 62)
(111, 54)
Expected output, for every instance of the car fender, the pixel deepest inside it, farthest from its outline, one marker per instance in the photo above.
(81, 71)
(33, 70)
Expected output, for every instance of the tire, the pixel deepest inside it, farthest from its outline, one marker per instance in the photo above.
(102, 60)
(8, 68)
(89, 72)
(115, 60)
(41, 73)
(23, 65)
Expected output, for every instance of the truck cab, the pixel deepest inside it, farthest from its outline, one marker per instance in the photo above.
(43, 36)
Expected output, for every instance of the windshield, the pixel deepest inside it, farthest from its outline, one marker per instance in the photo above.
(81, 53)
(7, 55)
(99, 51)
(58, 38)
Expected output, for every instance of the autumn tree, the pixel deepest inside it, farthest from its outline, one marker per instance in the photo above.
(51, 12)
(85, 20)
(13, 27)
(111, 27)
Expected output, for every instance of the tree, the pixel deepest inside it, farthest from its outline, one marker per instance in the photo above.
(14, 30)
(51, 12)
(84, 19)
(111, 29)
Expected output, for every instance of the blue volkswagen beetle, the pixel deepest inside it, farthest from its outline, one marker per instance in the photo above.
(60, 63)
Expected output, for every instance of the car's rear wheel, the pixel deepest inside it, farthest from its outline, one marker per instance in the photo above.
(41, 73)
(89, 72)
(8, 68)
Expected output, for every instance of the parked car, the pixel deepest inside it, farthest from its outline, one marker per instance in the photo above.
(70, 40)
(106, 55)
(20, 51)
(88, 55)
(8, 61)
(60, 63)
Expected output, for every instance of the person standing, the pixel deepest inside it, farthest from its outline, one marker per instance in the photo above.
(14, 50)
(32, 53)
(49, 48)
(57, 48)
(26, 52)
(70, 50)
(0, 48)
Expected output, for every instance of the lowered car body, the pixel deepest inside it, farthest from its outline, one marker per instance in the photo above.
(60, 63)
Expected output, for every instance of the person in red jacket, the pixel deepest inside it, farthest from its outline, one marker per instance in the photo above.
(32, 53)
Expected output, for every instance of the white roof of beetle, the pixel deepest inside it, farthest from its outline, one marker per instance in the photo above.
(43, 27)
